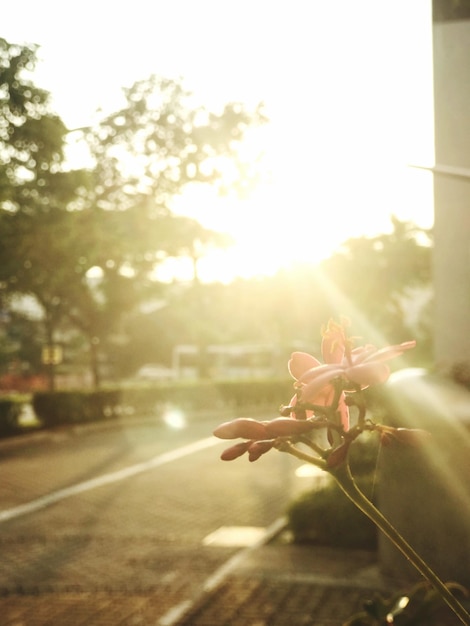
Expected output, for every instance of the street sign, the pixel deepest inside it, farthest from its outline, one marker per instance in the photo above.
(52, 354)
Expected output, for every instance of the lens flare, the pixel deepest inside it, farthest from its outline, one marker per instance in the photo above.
(174, 418)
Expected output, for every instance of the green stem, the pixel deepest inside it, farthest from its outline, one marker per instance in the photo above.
(345, 480)
(285, 446)
(311, 444)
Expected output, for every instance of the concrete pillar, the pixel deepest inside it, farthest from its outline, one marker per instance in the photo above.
(451, 60)
(425, 491)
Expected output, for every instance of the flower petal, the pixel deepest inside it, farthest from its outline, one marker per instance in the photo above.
(369, 373)
(361, 353)
(318, 371)
(390, 352)
(300, 362)
(314, 390)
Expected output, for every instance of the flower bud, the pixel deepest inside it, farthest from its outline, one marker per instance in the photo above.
(258, 448)
(244, 427)
(235, 451)
(338, 455)
(286, 426)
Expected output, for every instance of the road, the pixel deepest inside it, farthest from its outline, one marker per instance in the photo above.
(109, 525)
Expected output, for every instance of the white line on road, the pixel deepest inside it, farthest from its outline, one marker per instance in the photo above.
(176, 614)
(106, 479)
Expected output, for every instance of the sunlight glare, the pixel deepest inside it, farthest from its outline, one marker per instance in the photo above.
(278, 226)
(174, 418)
(348, 95)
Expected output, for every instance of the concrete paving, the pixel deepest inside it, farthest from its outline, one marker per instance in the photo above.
(132, 553)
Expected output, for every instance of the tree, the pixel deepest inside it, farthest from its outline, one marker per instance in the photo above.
(58, 226)
(161, 142)
(379, 277)
(31, 138)
(34, 188)
(145, 155)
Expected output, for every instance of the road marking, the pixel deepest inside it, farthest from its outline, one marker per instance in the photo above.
(178, 612)
(271, 531)
(234, 536)
(106, 479)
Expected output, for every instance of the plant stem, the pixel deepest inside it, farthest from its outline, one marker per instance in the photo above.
(285, 446)
(345, 480)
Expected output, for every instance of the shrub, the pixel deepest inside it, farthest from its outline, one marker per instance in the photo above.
(70, 407)
(188, 396)
(103, 404)
(252, 393)
(208, 395)
(325, 516)
(10, 410)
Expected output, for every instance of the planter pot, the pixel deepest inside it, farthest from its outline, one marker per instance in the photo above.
(425, 490)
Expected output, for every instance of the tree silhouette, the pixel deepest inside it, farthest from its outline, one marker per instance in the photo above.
(116, 218)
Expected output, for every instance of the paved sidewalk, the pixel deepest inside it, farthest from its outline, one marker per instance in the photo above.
(281, 584)
(105, 580)
(290, 585)
(273, 583)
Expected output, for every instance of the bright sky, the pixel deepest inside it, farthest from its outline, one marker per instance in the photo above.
(347, 86)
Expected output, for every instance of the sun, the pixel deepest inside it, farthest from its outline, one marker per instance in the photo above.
(300, 219)
(348, 109)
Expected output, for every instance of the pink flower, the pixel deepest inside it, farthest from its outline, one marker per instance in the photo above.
(362, 366)
(357, 368)
(260, 435)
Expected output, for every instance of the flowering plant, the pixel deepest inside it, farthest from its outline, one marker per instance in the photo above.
(324, 395)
